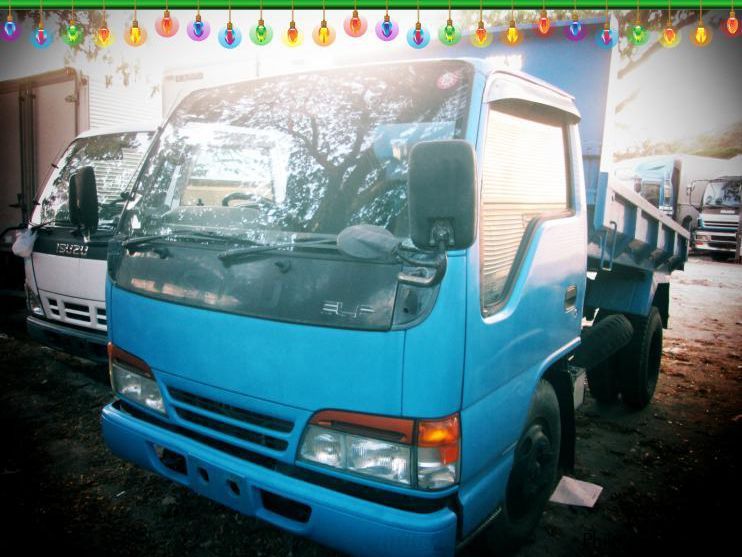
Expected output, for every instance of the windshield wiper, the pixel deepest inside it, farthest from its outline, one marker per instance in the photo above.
(239, 253)
(135, 244)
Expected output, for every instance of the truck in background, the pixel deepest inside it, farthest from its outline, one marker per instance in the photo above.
(718, 220)
(29, 150)
(41, 115)
(361, 327)
(665, 181)
(66, 273)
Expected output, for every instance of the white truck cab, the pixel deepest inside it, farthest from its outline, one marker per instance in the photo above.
(66, 273)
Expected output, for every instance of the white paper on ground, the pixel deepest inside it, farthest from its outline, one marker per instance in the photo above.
(570, 491)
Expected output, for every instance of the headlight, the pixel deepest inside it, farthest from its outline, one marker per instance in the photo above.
(133, 380)
(383, 448)
(361, 455)
(34, 302)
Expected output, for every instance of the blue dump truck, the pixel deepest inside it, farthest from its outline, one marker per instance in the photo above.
(351, 303)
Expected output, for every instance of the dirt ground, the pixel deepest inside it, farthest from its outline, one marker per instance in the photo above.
(670, 472)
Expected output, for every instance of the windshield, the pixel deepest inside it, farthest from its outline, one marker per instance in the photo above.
(114, 157)
(724, 193)
(651, 192)
(307, 153)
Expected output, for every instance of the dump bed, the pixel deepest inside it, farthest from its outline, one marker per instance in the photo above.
(627, 231)
(632, 249)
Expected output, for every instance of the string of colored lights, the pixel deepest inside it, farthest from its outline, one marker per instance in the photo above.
(355, 26)
(375, 4)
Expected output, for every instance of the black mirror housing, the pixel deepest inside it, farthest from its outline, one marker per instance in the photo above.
(442, 194)
(83, 199)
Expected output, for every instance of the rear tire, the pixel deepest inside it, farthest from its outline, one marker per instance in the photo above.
(640, 360)
(602, 379)
(533, 475)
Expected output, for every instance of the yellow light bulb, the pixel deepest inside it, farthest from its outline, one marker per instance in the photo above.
(512, 34)
(701, 35)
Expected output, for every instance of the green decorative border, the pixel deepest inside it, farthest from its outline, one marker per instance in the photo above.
(373, 4)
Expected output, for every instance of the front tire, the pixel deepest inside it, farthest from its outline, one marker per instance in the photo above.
(533, 475)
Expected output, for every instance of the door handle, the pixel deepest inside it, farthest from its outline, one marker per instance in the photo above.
(570, 298)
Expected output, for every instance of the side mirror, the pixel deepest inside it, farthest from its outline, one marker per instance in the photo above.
(83, 199)
(442, 194)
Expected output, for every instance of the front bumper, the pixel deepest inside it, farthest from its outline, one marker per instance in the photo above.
(349, 524)
(90, 345)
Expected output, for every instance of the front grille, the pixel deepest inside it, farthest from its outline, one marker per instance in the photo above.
(228, 411)
(247, 421)
(74, 311)
(720, 224)
(233, 431)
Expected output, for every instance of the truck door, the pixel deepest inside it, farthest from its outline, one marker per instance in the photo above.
(525, 304)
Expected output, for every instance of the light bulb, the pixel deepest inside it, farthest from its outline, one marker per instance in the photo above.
(512, 34)
(198, 29)
(135, 36)
(448, 34)
(701, 35)
(669, 34)
(544, 24)
(198, 26)
(481, 32)
(323, 35)
(229, 36)
(261, 34)
(418, 36)
(606, 35)
(167, 22)
(386, 26)
(10, 26)
(355, 25)
(40, 38)
(450, 31)
(135, 33)
(386, 29)
(104, 33)
(637, 32)
(167, 26)
(73, 33)
(575, 27)
(732, 23)
(293, 37)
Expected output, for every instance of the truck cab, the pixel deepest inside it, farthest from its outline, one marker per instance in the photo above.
(353, 307)
(719, 215)
(65, 274)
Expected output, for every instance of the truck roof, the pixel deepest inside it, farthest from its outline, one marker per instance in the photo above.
(128, 128)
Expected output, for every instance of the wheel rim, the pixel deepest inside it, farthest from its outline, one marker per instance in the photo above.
(533, 471)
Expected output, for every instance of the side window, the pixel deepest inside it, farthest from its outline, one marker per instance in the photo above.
(524, 176)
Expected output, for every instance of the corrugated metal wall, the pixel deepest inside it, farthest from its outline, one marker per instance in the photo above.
(114, 104)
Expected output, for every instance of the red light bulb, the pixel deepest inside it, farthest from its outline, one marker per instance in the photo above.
(167, 22)
(732, 23)
(543, 23)
(355, 22)
(293, 33)
(481, 33)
